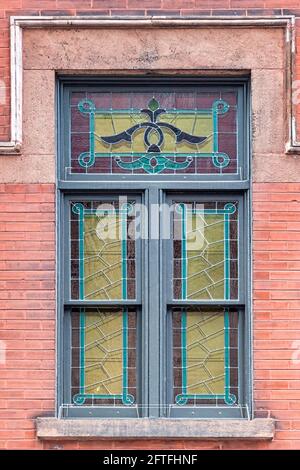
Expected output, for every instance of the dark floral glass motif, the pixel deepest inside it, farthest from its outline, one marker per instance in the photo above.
(154, 162)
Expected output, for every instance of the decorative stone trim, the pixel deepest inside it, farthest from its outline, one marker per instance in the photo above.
(144, 428)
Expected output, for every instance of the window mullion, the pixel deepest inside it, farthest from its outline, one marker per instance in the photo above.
(154, 304)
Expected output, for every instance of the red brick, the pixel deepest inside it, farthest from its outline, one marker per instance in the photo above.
(282, 275)
(276, 285)
(265, 355)
(268, 345)
(195, 12)
(264, 11)
(162, 12)
(27, 275)
(213, 4)
(11, 4)
(26, 245)
(24, 444)
(178, 4)
(19, 207)
(27, 255)
(30, 384)
(259, 275)
(262, 315)
(289, 435)
(125, 12)
(247, 3)
(28, 188)
(285, 4)
(271, 405)
(102, 4)
(270, 385)
(30, 197)
(230, 12)
(57, 12)
(137, 4)
(27, 217)
(271, 265)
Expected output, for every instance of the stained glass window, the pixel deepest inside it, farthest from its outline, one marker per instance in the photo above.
(205, 250)
(103, 357)
(153, 248)
(205, 356)
(154, 133)
(102, 250)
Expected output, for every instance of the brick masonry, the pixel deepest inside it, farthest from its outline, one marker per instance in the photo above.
(27, 268)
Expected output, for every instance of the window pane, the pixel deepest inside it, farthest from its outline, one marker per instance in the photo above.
(154, 132)
(103, 357)
(205, 250)
(102, 250)
(205, 357)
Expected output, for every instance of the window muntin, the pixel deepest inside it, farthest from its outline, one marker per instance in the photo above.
(155, 367)
(153, 133)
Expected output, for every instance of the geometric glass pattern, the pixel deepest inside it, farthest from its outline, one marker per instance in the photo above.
(205, 250)
(205, 362)
(103, 356)
(102, 254)
(154, 133)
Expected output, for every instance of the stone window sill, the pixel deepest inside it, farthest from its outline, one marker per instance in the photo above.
(87, 428)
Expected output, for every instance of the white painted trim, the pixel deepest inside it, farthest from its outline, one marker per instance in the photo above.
(18, 23)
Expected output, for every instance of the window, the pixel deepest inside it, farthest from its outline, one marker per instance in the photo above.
(154, 298)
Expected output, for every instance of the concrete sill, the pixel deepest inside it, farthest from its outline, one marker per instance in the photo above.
(208, 429)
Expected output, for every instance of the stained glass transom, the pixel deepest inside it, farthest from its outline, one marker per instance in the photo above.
(154, 133)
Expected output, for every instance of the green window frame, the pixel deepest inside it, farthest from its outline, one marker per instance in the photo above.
(172, 329)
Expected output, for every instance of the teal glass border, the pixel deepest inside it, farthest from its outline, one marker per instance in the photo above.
(162, 160)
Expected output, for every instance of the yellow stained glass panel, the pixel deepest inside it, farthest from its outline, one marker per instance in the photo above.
(103, 353)
(192, 123)
(205, 256)
(205, 354)
(102, 257)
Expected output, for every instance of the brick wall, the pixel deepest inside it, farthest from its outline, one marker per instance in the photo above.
(27, 309)
(27, 262)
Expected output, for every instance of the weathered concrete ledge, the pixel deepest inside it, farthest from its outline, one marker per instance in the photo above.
(57, 429)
